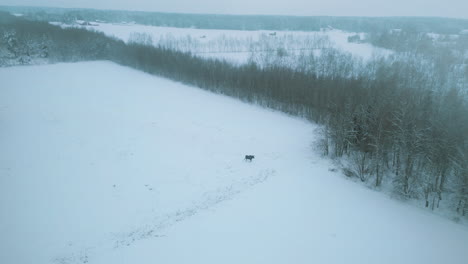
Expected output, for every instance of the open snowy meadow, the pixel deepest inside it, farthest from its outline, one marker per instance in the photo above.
(239, 46)
(103, 164)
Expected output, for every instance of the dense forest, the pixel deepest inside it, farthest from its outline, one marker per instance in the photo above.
(399, 122)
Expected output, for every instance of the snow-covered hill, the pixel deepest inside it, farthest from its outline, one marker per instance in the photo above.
(103, 164)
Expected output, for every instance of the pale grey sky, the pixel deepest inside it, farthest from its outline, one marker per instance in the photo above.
(444, 8)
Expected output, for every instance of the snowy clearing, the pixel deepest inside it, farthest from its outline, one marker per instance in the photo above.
(238, 45)
(104, 164)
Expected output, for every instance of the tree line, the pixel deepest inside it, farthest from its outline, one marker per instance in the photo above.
(396, 122)
(245, 22)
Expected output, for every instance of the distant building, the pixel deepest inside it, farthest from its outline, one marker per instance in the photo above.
(85, 23)
(355, 39)
(396, 31)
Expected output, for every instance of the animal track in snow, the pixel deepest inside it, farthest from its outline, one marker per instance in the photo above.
(154, 229)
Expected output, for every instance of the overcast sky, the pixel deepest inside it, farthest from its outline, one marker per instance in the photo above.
(444, 8)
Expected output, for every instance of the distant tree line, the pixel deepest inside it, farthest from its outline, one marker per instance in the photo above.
(246, 22)
(414, 41)
(25, 42)
(396, 121)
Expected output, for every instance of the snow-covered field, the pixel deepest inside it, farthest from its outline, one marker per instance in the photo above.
(238, 45)
(103, 164)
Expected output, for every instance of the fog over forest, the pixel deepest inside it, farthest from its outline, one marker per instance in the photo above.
(448, 8)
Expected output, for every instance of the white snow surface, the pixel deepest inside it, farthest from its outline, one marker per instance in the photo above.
(100, 163)
(236, 45)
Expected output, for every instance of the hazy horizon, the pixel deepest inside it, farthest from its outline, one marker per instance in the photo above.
(380, 8)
